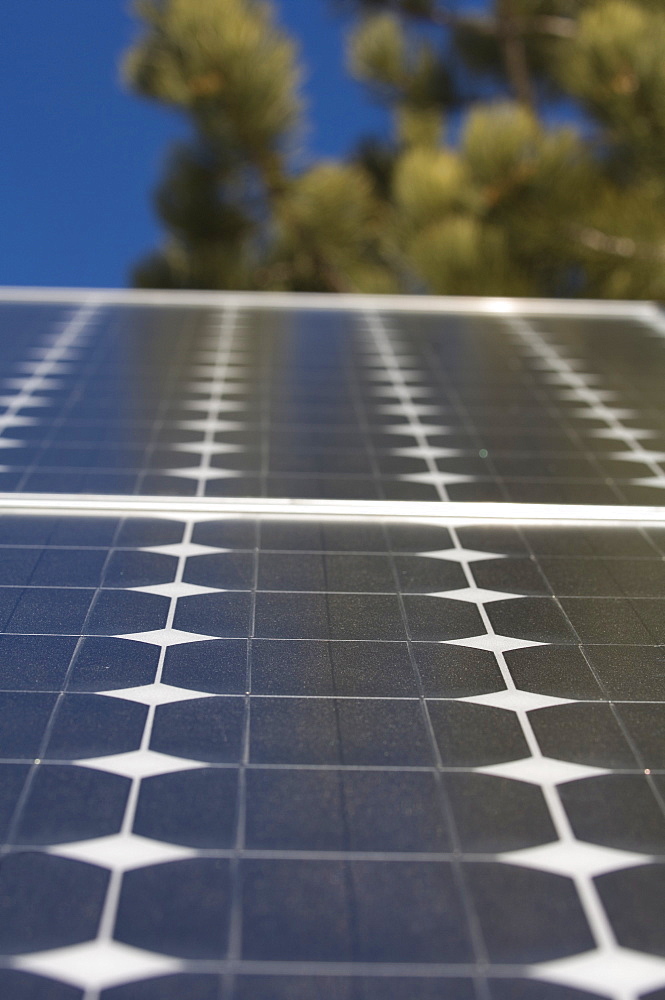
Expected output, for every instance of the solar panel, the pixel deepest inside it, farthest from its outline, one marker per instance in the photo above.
(261, 749)
(333, 404)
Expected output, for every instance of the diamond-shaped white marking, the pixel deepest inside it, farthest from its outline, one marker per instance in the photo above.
(621, 971)
(516, 701)
(156, 694)
(638, 456)
(29, 385)
(177, 590)
(570, 378)
(495, 643)
(25, 399)
(461, 555)
(589, 395)
(420, 427)
(140, 763)
(39, 382)
(183, 549)
(658, 482)
(122, 851)
(11, 443)
(199, 473)
(7, 420)
(41, 401)
(405, 430)
(624, 433)
(542, 770)
(207, 447)
(607, 413)
(166, 637)
(428, 452)
(435, 477)
(574, 858)
(209, 424)
(97, 964)
(476, 595)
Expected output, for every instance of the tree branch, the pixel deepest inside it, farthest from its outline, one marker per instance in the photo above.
(543, 24)
(511, 41)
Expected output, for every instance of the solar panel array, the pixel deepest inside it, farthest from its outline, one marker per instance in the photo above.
(287, 758)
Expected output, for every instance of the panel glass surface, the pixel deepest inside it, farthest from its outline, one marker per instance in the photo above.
(296, 759)
(196, 401)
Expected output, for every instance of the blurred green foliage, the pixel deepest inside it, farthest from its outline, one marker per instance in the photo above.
(515, 206)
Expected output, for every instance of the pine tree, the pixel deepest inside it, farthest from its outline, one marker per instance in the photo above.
(554, 183)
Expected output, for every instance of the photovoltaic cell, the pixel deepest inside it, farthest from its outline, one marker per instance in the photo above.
(259, 758)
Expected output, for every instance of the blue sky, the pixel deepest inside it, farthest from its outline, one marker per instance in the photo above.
(80, 155)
